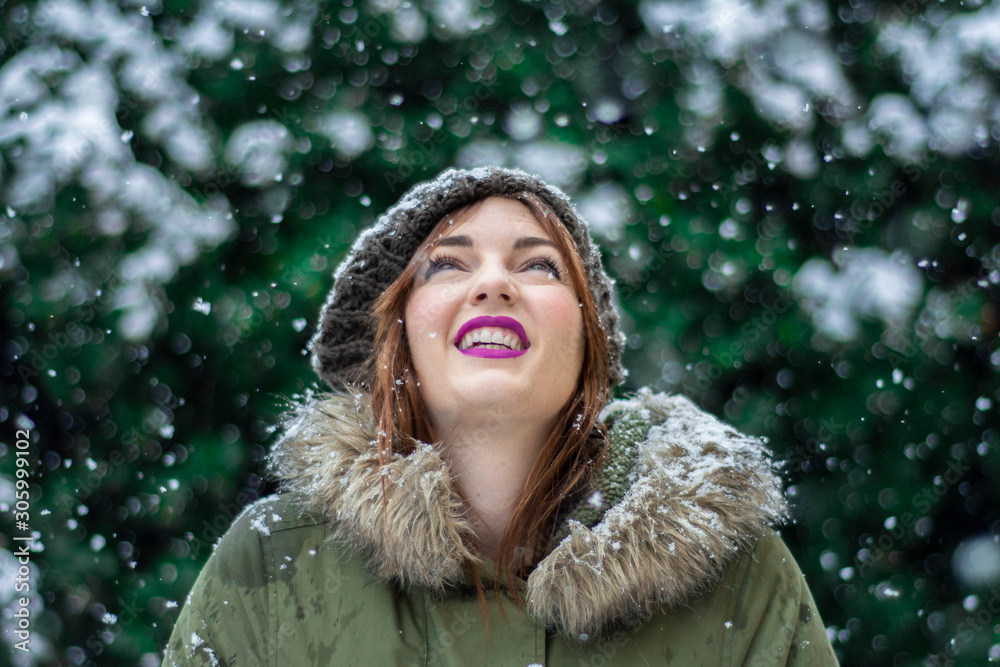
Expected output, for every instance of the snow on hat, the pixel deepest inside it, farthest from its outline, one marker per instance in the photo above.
(381, 253)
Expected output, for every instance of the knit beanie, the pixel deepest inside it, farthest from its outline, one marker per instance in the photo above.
(382, 252)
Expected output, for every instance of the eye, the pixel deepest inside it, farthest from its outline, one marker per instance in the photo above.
(543, 264)
(442, 263)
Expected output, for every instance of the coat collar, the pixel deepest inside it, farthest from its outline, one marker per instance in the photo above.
(679, 494)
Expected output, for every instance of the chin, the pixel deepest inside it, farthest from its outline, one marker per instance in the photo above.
(492, 392)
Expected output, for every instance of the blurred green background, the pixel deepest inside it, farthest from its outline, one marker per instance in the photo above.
(798, 200)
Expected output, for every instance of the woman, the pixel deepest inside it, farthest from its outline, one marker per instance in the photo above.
(468, 496)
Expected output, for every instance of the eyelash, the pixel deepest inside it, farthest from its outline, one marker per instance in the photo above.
(436, 262)
(550, 265)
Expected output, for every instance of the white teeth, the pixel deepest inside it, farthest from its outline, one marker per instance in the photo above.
(491, 339)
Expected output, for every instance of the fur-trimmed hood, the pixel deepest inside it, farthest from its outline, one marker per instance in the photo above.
(679, 494)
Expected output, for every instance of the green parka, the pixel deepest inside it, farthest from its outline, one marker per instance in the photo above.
(667, 560)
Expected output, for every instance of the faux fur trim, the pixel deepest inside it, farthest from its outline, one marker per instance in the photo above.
(329, 456)
(701, 491)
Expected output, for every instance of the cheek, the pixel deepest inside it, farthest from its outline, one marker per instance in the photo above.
(422, 311)
(566, 315)
(425, 320)
(565, 318)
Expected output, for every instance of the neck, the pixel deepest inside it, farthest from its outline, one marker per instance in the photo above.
(490, 459)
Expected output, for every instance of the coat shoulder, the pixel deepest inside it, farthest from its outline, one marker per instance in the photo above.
(277, 513)
(227, 617)
(775, 619)
(262, 531)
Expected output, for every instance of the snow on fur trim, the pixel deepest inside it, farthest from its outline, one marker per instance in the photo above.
(701, 492)
(329, 456)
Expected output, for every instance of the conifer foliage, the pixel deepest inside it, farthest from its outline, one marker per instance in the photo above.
(797, 199)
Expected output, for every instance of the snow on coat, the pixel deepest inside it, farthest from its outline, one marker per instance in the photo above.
(670, 554)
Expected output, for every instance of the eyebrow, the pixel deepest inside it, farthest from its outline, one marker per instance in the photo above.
(463, 241)
(532, 242)
(460, 241)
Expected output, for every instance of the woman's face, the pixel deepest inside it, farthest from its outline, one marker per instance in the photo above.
(493, 322)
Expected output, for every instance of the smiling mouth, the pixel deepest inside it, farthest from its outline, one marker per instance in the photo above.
(492, 338)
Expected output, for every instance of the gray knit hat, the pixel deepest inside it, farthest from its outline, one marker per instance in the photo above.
(381, 253)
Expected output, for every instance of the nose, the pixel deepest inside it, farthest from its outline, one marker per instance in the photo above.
(493, 283)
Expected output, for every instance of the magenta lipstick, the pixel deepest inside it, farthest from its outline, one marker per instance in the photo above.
(499, 322)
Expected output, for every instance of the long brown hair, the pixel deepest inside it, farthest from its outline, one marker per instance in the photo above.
(572, 452)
